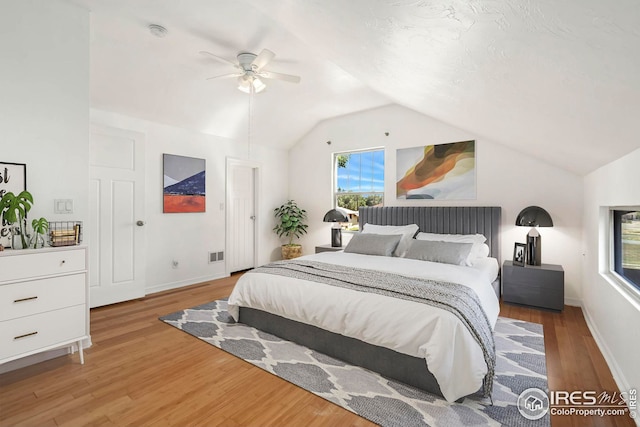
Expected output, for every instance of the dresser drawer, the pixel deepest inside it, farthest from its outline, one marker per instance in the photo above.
(26, 334)
(537, 286)
(35, 264)
(537, 295)
(37, 296)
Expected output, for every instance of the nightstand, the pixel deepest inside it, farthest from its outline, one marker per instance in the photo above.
(535, 285)
(328, 248)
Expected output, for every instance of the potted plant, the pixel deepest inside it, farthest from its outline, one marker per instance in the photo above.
(14, 210)
(291, 224)
(40, 228)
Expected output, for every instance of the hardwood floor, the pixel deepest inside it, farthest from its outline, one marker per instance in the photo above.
(139, 372)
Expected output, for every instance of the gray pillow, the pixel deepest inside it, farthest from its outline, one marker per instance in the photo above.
(407, 232)
(444, 252)
(373, 244)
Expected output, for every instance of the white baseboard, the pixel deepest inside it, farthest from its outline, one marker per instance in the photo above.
(182, 283)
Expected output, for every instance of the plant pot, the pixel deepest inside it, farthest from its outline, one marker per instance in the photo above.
(16, 239)
(37, 241)
(291, 251)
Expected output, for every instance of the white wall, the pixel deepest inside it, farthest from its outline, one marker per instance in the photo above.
(44, 101)
(505, 178)
(613, 315)
(187, 238)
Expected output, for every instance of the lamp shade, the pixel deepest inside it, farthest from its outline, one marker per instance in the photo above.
(534, 216)
(245, 83)
(335, 215)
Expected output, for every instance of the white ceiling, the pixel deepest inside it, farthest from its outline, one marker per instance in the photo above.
(559, 80)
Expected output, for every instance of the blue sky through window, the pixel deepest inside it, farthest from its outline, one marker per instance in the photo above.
(364, 172)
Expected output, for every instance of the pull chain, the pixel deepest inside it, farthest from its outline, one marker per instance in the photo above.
(251, 92)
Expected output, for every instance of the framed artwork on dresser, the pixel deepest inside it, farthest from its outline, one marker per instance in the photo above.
(519, 254)
(13, 178)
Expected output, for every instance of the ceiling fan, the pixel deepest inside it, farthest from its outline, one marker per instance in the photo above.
(250, 70)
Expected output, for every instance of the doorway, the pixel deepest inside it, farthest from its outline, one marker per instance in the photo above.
(116, 207)
(242, 221)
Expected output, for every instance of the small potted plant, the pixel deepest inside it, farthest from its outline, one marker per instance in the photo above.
(291, 224)
(40, 228)
(14, 210)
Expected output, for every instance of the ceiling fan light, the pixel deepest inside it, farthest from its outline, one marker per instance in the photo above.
(258, 85)
(244, 84)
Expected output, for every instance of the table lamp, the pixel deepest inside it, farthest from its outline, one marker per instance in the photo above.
(336, 217)
(534, 216)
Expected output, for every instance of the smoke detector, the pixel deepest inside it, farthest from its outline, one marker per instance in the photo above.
(158, 30)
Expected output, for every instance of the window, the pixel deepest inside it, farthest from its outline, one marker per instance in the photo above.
(358, 179)
(626, 245)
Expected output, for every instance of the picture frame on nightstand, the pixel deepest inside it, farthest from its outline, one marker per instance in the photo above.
(519, 254)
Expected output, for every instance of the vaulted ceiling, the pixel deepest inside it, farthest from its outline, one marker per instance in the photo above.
(558, 80)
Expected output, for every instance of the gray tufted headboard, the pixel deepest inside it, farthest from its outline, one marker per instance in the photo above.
(439, 219)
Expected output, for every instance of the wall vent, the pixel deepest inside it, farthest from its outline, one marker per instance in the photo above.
(216, 256)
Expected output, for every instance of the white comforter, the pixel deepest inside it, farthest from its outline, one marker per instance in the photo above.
(453, 356)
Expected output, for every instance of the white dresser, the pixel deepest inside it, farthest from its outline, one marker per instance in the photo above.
(43, 301)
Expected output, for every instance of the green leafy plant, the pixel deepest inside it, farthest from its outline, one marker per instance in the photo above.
(14, 209)
(343, 159)
(291, 221)
(40, 226)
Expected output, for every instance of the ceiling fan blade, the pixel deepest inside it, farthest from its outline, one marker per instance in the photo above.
(219, 58)
(280, 76)
(225, 75)
(263, 59)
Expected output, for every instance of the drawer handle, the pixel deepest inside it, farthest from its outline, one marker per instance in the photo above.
(25, 299)
(62, 263)
(25, 335)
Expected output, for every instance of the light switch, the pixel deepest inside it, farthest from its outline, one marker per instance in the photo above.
(63, 206)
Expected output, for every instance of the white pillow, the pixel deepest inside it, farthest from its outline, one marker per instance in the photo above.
(407, 232)
(458, 238)
(479, 249)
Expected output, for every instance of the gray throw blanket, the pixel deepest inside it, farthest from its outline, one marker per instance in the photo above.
(457, 299)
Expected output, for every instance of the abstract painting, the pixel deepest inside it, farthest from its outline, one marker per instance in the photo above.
(443, 171)
(184, 184)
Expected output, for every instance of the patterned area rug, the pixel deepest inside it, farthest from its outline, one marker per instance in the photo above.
(520, 365)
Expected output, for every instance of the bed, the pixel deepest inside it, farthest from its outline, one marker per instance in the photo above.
(424, 347)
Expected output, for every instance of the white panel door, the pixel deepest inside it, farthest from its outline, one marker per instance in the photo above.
(241, 215)
(116, 231)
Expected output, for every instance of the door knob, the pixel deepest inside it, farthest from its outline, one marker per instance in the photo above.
(139, 223)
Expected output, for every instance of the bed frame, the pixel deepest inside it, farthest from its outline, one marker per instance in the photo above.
(389, 363)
